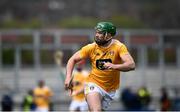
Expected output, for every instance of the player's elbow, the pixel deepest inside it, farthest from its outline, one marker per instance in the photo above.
(129, 67)
(132, 66)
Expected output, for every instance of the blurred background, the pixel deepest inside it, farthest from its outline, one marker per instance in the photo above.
(31, 31)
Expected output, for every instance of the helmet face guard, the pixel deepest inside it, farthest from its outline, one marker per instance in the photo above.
(105, 28)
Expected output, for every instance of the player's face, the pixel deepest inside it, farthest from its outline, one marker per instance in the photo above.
(101, 38)
(99, 35)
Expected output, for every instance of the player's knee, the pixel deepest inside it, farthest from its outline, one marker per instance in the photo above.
(95, 108)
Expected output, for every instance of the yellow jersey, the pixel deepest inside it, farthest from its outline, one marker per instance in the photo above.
(107, 79)
(79, 81)
(41, 96)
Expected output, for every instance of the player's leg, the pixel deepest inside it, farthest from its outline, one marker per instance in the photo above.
(97, 98)
(93, 97)
(94, 101)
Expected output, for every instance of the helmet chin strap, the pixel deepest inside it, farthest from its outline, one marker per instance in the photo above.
(106, 34)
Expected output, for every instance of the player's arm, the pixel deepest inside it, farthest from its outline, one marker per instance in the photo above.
(69, 68)
(127, 65)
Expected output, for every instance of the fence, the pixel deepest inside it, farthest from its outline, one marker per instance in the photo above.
(156, 52)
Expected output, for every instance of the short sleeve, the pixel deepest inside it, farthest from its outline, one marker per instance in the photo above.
(123, 50)
(85, 51)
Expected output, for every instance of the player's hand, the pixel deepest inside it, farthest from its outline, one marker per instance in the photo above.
(68, 85)
(109, 65)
